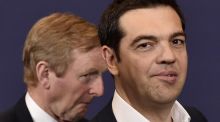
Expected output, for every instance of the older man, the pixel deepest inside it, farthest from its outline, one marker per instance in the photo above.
(61, 71)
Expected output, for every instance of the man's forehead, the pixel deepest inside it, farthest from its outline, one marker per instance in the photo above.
(147, 16)
(147, 11)
(84, 51)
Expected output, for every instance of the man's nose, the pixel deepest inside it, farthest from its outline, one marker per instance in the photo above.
(97, 87)
(167, 55)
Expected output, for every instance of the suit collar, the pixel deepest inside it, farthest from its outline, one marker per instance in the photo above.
(105, 115)
(21, 111)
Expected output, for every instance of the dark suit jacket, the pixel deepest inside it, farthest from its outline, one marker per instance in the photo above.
(19, 113)
(106, 115)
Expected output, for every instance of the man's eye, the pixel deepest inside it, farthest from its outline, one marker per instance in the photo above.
(88, 77)
(178, 42)
(85, 78)
(144, 46)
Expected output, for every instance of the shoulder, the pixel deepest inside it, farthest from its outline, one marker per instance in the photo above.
(195, 114)
(18, 113)
(83, 120)
(8, 115)
(105, 115)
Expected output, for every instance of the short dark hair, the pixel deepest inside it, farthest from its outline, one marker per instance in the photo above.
(109, 31)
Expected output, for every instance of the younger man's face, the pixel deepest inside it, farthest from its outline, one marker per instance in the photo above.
(153, 56)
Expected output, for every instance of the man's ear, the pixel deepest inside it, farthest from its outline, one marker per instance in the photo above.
(42, 71)
(111, 60)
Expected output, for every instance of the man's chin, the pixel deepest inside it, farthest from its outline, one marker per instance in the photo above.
(81, 111)
(75, 118)
(165, 100)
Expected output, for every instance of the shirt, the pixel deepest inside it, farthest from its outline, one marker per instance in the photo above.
(125, 113)
(37, 113)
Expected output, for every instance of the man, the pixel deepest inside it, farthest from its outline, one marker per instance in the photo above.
(144, 46)
(60, 70)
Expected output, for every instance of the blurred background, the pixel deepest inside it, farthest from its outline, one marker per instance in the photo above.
(202, 28)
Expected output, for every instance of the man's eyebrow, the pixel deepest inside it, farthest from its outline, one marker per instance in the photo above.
(92, 70)
(146, 37)
(178, 34)
(87, 71)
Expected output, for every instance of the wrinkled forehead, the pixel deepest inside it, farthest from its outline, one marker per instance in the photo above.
(89, 60)
(86, 53)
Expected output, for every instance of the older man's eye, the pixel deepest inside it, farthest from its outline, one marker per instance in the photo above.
(84, 78)
(89, 77)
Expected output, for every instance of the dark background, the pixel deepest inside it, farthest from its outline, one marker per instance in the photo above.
(202, 22)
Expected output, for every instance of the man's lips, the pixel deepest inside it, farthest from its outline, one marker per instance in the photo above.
(167, 76)
(84, 105)
(87, 102)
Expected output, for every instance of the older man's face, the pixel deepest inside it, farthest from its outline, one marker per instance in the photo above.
(72, 93)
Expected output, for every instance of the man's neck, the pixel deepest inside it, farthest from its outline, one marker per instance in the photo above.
(155, 112)
(158, 116)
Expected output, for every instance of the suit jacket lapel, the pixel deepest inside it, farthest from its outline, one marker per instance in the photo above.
(21, 111)
(106, 115)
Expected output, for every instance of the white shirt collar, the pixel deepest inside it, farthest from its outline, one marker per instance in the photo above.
(37, 113)
(125, 113)
(179, 114)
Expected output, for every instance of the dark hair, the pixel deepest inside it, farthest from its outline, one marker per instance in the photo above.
(109, 31)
